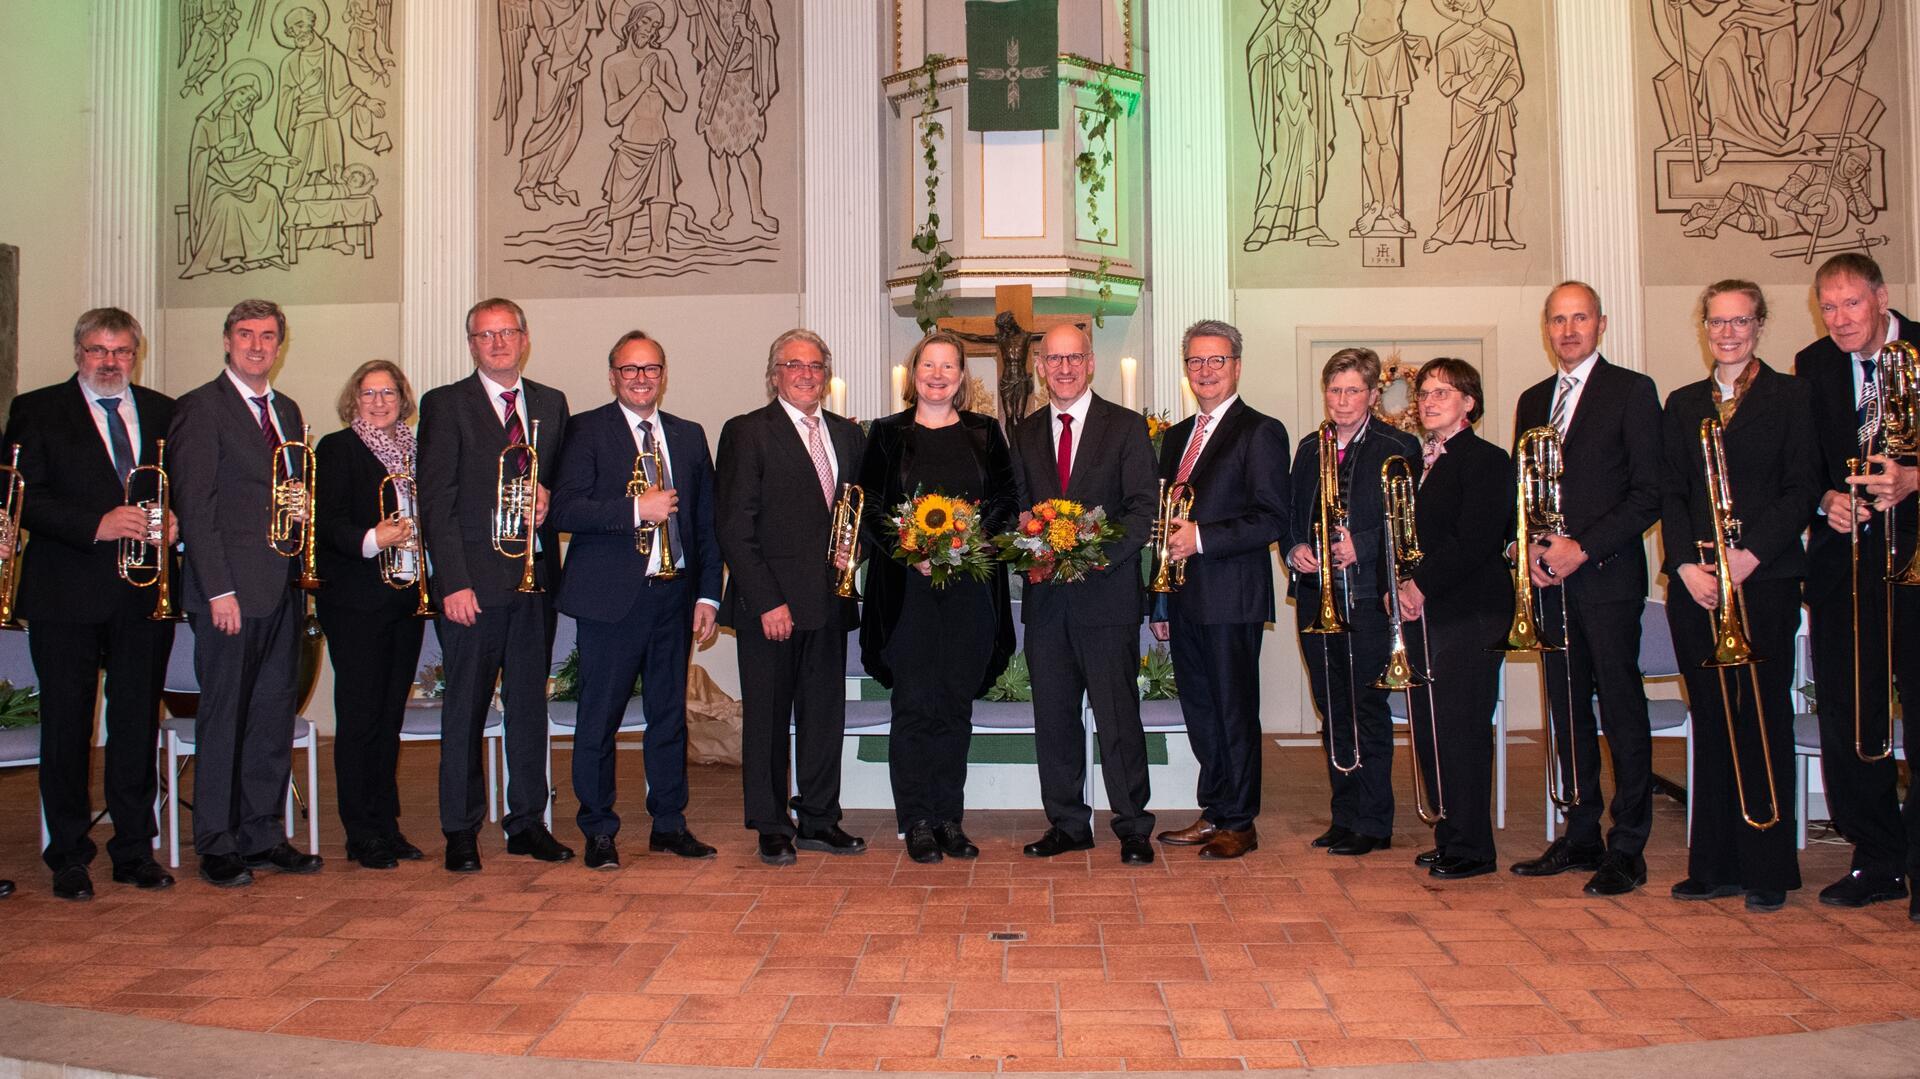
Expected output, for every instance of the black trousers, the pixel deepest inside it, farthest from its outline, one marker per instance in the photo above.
(939, 652)
(67, 659)
(803, 680)
(1465, 669)
(1218, 668)
(510, 643)
(1341, 669)
(652, 643)
(243, 733)
(1102, 662)
(1724, 848)
(375, 655)
(1604, 657)
(1863, 796)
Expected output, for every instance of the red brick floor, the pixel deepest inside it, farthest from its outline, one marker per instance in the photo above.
(1286, 958)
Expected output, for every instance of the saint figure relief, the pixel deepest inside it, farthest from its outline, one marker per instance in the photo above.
(1380, 73)
(641, 84)
(562, 30)
(1478, 66)
(316, 94)
(235, 221)
(1290, 86)
(733, 48)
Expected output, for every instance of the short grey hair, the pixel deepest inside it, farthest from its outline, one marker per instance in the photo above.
(1592, 294)
(108, 320)
(497, 303)
(798, 333)
(1211, 327)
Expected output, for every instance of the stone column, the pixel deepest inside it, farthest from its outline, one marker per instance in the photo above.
(440, 270)
(123, 258)
(1599, 184)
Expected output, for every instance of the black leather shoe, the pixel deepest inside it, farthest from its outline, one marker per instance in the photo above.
(283, 857)
(225, 871)
(1561, 855)
(1136, 850)
(1427, 857)
(73, 883)
(6, 888)
(404, 850)
(375, 853)
(830, 840)
(680, 843)
(1331, 836)
(1762, 902)
(145, 875)
(1461, 868)
(534, 841)
(1862, 887)
(922, 846)
(954, 842)
(1698, 890)
(601, 853)
(777, 849)
(1055, 842)
(463, 853)
(1618, 875)
(1355, 843)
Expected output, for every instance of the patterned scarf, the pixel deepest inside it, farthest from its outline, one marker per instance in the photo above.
(395, 448)
(1726, 406)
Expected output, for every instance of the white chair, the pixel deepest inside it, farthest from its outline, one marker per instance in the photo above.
(1806, 732)
(421, 723)
(564, 716)
(20, 746)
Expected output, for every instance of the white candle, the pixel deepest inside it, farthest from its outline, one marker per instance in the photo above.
(1188, 405)
(899, 386)
(837, 395)
(1129, 382)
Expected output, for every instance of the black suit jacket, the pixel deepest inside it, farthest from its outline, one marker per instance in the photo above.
(222, 475)
(773, 536)
(1463, 515)
(1241, 503)
(1113, 467)
(349, 505)
(606, 575)
(461, 437)
(1610, 482)
(65, 574)
(1366, 507)
(1829, 373)
(1772, 466)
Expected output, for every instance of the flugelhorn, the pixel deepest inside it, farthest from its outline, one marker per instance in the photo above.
(843, 538)
(404, 565)
(1896, 380)
(147, 562)
(1399, 485)
(1330, 519)
(1175, 502)
(1537, 514)
(651, 532)
(1730, 645)
(290, 515)
(516, 501)
(12, 506)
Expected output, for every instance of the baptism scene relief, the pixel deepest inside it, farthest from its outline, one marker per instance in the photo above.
(1373, 136)
(644, 145)
(282, 120)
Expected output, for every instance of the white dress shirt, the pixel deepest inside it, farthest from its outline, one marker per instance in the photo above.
(1216, 413)
(1859, 376)
(129, 415)
(634, 420)
(1581, 374)
(799, 419)
(1078, 410)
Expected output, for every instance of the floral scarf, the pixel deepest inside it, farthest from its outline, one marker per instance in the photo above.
(395, 448)
(1726, 406)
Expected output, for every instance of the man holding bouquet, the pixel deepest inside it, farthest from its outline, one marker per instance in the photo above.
(1082, 607)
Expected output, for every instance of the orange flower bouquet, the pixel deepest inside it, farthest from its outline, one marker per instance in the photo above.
(1059, 540)
(944, 533)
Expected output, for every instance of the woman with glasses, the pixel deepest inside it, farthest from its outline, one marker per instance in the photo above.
(1456, 606)
(373, 637)
(1743, 830)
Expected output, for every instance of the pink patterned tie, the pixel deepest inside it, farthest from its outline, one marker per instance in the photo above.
(819, 452)
(1193, 447)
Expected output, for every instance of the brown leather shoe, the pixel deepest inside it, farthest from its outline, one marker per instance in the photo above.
(1230, 844)
(1192, 835)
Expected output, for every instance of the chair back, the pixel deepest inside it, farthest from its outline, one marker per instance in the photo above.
(1657, 658)
(16, 662)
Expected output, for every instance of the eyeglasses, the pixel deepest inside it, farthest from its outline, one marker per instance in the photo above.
(796, 367)
(379, 394)
(1067, 359)
(631, 371)
(1345, 392)
(1740, 322)
(488, 337)
(1438, 393)
(1207, 363)
(96, 353)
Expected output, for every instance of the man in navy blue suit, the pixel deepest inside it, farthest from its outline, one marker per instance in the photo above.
(638, 614)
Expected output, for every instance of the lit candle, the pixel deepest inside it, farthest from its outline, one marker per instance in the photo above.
(1129, 382)
(1188, 405)
(837, 395)
(899, 386)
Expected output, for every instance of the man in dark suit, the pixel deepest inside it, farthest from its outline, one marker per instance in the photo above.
(638, 614)
(78, 441)
(790, 627)
(1083, 637)
(240, 601)
(1593, 581)
(1862, 795)
(488, 629)
(1236, 461)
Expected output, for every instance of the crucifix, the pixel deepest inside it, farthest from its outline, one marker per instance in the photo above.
(1008, 335)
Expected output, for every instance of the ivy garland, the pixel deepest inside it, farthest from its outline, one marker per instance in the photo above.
(930, 302)
(1097, 126)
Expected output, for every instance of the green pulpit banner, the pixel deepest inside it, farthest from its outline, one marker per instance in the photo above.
(1013, 50)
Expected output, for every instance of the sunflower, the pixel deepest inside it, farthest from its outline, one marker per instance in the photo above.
(933, 514)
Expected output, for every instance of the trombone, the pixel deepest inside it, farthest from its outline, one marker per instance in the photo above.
(516, 504)
(147, 562)
(12, 506)
(1175, 502)
(291, 508)
(649, 533)
(1398, 485)
(404, 565)
(1537, 513)
(1730, 644)
(1331, 521)
(843, 538)
(1897, 387)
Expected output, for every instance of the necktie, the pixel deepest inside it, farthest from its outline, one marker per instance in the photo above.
(1868, 414)
(267, 430)
(660, 476)
(818, 451)
(1063, 458)
(515, 432)
(123, 457)
(1559, 417)
(1193, 447)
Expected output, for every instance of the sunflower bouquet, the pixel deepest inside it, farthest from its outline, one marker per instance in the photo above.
(944, 533)
(1059, 540)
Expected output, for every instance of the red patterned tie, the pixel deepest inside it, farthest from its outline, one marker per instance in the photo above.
(515, 433)
(1193, 447)
(267, 430)
(1064, 457)
(818, 451)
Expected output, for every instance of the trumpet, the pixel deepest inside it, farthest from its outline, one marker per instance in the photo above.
(291, 508)
(1730, 644)
(1398, 487)
(1537, 513)
(147, 562)
(12, 506)
(516, 504)
(644, 537)
(405, 565)
(1175, 502)
(843, 537)
(1897, 386)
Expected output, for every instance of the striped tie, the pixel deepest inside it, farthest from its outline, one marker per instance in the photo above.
(818, 451)
(1868, 414)
(1558, 419)
(1193, 447)
(516, 434)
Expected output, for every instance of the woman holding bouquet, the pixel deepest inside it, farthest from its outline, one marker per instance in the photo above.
(937, 627)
